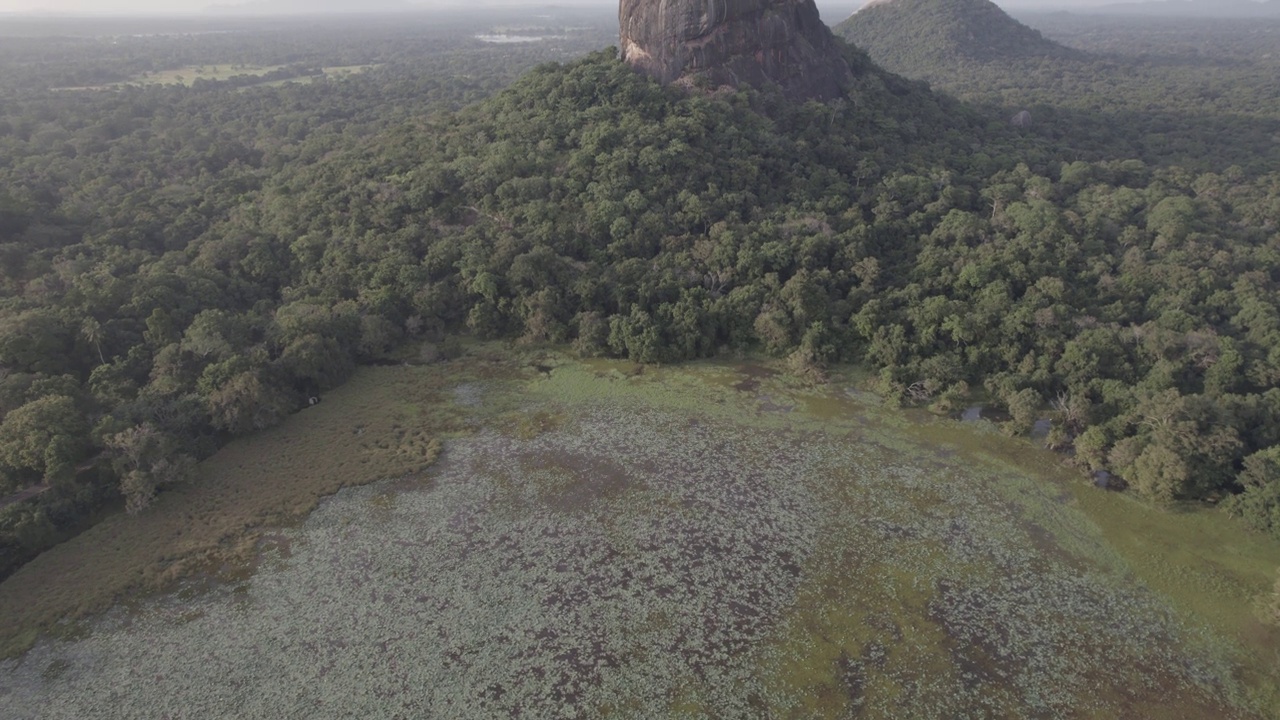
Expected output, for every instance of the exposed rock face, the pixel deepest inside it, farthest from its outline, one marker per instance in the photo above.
(730, 42)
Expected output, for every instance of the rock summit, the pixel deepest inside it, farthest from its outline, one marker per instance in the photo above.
(734, 42)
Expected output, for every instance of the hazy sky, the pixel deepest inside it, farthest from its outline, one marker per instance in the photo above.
(172, 6)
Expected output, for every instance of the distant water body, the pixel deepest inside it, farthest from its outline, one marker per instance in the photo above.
(508, 39)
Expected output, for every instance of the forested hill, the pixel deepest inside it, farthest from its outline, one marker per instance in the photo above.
(157, 306)
(587, 206)
(913, 37)
(1198, 94)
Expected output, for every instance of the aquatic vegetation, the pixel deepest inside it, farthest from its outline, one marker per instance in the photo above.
(378, 426)
(664, 544)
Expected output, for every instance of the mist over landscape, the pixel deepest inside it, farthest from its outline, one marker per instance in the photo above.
(831, 9)
(650, 358)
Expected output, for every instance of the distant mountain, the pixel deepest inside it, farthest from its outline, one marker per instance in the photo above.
(1192, 8)
(311, 7)
(918, 37)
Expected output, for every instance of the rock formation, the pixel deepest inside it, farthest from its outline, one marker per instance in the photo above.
(731, 42)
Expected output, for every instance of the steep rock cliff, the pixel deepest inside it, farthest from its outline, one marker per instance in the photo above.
(730, 42)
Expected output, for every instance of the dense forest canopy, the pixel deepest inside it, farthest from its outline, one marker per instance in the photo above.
(1200, 94)
(121, 180)
(184, 263)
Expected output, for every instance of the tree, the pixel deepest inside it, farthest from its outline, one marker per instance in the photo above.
(213, 335)
(1024, 410)
(773, 328)
(316, 362)
(1091, 448)
(111, 384)
(160, 329)
(593, 334)
(35, 341)
(247, 403)
(43, 439)
(147, 459)
(1259, 504)
(636, 336)
(1159, 472)
(91, 331)
(377, 336)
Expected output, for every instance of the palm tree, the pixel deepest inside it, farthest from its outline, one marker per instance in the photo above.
(91, 331)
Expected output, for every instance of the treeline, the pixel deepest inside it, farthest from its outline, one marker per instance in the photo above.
(154, 309)
(128, 224)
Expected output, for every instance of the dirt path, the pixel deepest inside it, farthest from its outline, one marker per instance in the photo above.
(22, 495)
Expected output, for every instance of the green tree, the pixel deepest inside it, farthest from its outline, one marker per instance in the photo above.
(247, 402)
(1159, 472)
(35, 340)
(1024, 409)
(316, 361)
(91, 331)
(1259, 504)
(43, 439)
(146, 459)
(214, 335)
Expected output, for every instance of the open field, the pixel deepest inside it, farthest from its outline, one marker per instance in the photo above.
(601, 539)
(190, 74)
(329, 72)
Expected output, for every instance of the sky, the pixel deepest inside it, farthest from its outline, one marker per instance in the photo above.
(185, 6)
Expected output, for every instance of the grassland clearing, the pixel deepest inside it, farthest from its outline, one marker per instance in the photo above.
(189, 74)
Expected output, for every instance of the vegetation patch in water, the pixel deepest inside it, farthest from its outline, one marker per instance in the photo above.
(382, 424)
(659, 545)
